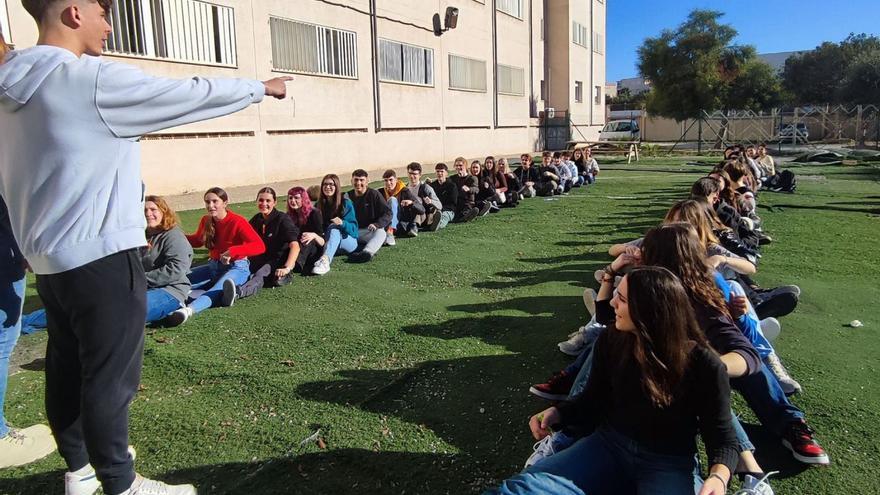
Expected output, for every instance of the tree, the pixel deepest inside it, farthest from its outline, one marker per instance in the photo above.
(697, 68)
(834, 72)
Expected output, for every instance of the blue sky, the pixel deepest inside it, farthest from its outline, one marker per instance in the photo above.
(768, 25)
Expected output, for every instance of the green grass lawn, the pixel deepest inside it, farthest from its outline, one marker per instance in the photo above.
(416, 366)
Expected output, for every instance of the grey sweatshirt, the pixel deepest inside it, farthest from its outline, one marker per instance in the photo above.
(70, 160)
(167, 259)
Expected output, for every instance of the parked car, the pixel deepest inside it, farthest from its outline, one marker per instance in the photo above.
(798, 131)
(620, 130)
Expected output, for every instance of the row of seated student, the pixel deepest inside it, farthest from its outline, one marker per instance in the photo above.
(321, 222)
(677, 322)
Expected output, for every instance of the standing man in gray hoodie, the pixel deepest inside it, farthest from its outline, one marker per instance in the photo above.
(70, 175)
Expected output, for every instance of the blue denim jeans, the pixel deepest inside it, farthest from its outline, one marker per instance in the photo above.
(212, 276)
(766, 398)
(605, 462)
(582, 366)
(750, 324)
(333, 242)
(590, 178)
(11, 302)
(160, 303)
(395, 209)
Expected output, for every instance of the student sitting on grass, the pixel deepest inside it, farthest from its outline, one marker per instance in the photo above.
(406, 208)
(566, 179)
(166, 260)
(373, 217)
(427, 197)
(447, 193)
(549, 176)
(485, 189)
(591, 166)
(513, 185)
(340, 223)
(310, 222)
(468, 187)
(528, 176)
(655, 383)
(274, 267)
(230, 240)
(496, 179)
(576, 179)
(394, 191)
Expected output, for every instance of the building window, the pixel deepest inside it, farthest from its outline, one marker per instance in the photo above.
(400, 62)
(543, 90)
(184, 30)
(579, 34)
(597, 96)
(598, 43)
(512, 7)
(511, 80)
(467, 73)
(4, 23)
(312, 49)
(579, 91)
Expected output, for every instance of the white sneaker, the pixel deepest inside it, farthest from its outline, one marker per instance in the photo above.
(574, 344)
(87, 484)
(590, 301)
(770, 327)
(551, 444)
(755, 486)
(229, 293)
(144, 486)
(179, 317)
(322, 266)
(389, 240)
(789, 385)
(20, 447)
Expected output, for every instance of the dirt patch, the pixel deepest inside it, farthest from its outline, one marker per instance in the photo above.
(29, 353)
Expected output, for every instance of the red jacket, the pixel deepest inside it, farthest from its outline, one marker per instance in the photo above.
(233, 233)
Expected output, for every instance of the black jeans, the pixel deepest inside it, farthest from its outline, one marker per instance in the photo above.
(96, 316)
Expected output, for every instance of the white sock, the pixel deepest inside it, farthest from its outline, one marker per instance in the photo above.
(84, 471)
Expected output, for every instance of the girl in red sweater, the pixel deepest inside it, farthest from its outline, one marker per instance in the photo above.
(230, 239)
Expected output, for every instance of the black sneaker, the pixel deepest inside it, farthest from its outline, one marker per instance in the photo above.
(230, 293)
(484, 210)
(798, 438)
(776, 302)
(360, 257)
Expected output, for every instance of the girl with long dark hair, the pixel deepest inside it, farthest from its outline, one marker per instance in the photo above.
(340, 223)
(655, 383)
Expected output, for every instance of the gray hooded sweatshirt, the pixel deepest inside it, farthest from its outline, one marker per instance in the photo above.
(70, 160)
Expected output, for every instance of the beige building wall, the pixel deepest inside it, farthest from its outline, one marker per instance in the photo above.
(327, 124)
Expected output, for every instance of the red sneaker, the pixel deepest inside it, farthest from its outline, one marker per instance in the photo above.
(798, 438)
(556, 388)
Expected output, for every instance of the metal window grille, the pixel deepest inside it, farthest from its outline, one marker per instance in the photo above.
(467, 73)
(579, 34)
(511, 80)
(185, 30)
(4, 23)
(401, 62)
(312, 49)
(598, 43)
(512, 7)
(579, 91)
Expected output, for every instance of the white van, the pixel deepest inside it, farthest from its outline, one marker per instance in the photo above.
(620, 130)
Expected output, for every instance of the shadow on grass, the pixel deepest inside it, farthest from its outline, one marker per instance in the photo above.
(829, 206)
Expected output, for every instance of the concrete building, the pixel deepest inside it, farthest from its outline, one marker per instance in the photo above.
(374, 86)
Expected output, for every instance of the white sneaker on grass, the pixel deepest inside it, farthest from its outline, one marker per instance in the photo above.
(389, 240)
(322, 266)
(551, 444)
(789, 385)
(755, 486)
(771, 328)
(179, 317)
(85, 481)
(574, 344)
(144, 486)
(20, 447)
